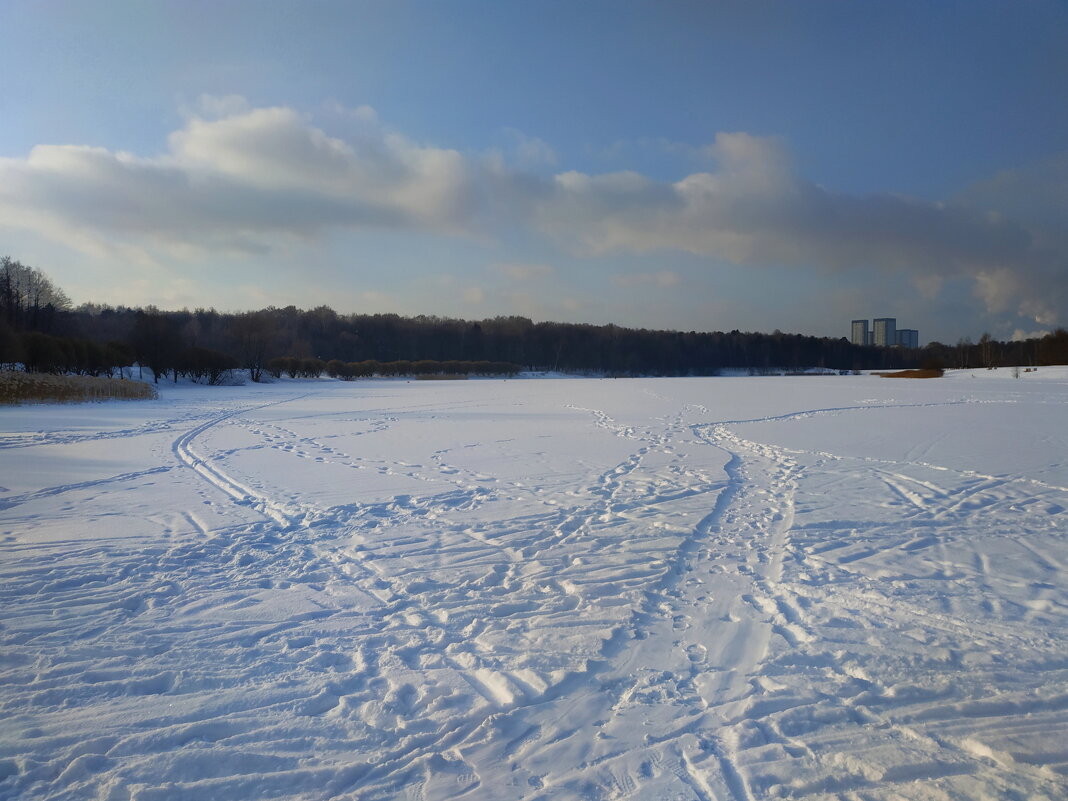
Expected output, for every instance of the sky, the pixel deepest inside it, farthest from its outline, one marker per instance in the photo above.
(680, 165)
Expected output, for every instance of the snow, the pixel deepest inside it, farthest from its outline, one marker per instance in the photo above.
(732, 589)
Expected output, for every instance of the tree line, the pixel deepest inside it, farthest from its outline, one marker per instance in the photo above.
(42, 330)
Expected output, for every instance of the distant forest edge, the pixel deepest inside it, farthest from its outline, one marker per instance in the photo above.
(42, 331)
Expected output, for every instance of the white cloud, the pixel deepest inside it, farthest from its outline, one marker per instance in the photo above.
(662, 278)
(530, 151)
(374, 299)
(1036, 195)
(519, 271)
(754, 210)
(928, 285)
(218, 106)
(236, 179)
(234, 182)
(1019, 335)
(362, 114)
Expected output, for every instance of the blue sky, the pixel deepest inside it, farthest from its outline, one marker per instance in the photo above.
(693, 165)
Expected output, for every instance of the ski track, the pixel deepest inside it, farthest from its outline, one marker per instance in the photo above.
(418, 600)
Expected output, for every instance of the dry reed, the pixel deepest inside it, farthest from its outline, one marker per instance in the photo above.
(18, 387)
(926, 373)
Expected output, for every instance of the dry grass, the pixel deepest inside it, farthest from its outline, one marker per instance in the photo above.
(927, 373)
(18, 387)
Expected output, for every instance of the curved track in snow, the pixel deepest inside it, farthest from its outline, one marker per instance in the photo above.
(539, 590)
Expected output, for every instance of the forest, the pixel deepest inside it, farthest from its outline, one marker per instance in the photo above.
(42, 331)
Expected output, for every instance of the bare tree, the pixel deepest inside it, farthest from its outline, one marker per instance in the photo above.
(157, 342)
(254, 335)
(28, 298)
(986, 350)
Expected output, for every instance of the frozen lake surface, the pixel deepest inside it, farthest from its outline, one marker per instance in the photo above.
(730, 589)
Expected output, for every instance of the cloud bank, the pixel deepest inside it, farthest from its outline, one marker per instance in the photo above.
(755, 210)
(237, 178)
(235, 181)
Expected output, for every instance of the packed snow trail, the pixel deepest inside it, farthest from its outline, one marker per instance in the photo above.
(724, 589)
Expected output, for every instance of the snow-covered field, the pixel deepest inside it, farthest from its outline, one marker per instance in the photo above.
(732, 589)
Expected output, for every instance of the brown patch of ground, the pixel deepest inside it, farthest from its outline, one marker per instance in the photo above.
(912, 374)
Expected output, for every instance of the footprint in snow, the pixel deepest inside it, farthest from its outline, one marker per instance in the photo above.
(696, 652)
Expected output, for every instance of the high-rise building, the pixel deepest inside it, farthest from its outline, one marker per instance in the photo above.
(859, 332)
(908, 337)
(884, 333)
(885, 330)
